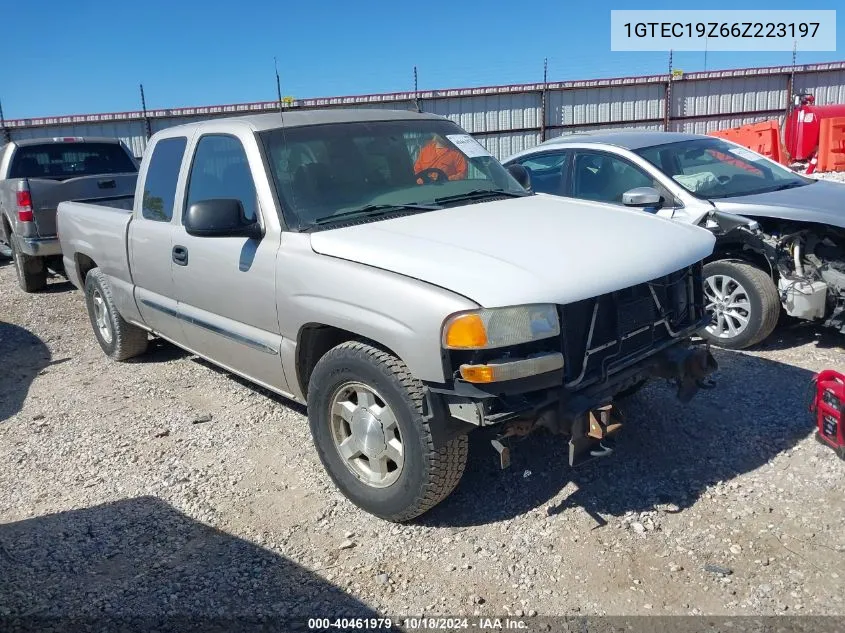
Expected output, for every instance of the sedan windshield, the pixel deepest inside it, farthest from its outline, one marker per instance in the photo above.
(325, 174)
(712, 168)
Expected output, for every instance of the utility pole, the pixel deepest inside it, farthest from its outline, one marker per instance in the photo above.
(543, 96)
(6, 135)
(417, 91)
(147, 127)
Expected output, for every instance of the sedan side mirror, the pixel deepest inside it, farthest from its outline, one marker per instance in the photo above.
(521, 175)
(220, 217)
(641, 197)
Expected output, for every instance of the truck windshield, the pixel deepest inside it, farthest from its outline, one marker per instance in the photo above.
(712, 168)
(332, 173)
(60, 161)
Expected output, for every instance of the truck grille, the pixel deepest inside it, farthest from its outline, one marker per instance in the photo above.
(604, 334)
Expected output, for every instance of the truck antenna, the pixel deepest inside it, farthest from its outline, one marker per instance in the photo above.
(279, 92)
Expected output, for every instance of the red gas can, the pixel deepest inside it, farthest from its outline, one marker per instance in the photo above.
(801, 132)
(828, 406)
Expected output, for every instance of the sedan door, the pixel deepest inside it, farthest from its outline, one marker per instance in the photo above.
(226, 285)
(604, 177)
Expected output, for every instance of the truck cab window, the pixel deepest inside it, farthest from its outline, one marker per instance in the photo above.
(160, 182)
(221, 170)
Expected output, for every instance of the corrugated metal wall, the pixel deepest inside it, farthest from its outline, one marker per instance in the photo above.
(507, 119)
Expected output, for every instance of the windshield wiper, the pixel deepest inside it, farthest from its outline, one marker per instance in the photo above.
(479, 193)
(789, 185)
(376, 210)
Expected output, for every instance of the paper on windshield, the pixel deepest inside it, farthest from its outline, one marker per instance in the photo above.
(744, 153)
(468, 145)
(696, 182)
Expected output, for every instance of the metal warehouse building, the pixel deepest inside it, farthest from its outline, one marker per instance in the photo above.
(507, 119)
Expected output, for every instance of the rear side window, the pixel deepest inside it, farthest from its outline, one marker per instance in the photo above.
(221, 170)
(60, 161)
(162, 175)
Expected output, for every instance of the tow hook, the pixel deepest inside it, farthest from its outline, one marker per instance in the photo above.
(592, 433)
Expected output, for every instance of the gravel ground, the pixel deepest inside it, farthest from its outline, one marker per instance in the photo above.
(165, 486)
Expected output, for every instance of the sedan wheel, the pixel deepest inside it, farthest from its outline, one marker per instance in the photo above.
(728, 300)
(743, 303)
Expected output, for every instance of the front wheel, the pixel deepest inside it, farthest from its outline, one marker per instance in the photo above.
(365, 410)
(744, 304)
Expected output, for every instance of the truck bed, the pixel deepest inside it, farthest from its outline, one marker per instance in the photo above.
(47, 194)
(96, 232)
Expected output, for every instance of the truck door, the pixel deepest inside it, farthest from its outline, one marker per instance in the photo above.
(226, 285)
(151, 239)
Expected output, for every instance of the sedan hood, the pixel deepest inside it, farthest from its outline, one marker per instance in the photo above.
(537, 249)
(822, 202)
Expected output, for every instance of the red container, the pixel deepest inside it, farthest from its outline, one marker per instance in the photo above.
(801, 133)
(828, 407)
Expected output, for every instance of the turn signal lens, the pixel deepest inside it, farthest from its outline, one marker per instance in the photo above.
(499, 371)
(466, 331)
(478, 373)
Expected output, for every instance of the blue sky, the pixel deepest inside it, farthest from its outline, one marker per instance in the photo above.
(89, 56)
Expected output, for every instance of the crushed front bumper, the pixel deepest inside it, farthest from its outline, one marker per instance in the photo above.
(559, 409)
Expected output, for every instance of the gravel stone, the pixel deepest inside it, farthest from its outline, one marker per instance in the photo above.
(100, 516)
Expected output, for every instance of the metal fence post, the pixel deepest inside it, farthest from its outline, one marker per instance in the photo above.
(4, 131)
(543, 95)
(668, 102)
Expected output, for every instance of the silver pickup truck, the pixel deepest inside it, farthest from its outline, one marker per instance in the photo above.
(383, 268)
(37, 174)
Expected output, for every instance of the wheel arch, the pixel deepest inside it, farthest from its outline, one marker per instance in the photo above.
(84, 264)
(315, 339)
(734, 252)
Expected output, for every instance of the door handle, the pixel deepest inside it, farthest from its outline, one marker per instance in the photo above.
(180, 255)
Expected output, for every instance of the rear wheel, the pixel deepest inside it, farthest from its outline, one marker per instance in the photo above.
(744, 304)
(119, 339)
(31, 271)
(365, 410)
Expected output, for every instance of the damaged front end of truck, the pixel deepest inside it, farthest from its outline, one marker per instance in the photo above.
(605, 347)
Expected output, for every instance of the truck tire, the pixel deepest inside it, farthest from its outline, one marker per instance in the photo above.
(744, 301)
(31, 271)
(365, 410)
(119, 339)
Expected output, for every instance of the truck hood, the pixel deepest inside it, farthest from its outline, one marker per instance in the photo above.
(537, 249)
(822, 202)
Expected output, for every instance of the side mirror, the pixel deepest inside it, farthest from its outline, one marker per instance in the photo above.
(641, 197)
(220, 217)
(521, 175)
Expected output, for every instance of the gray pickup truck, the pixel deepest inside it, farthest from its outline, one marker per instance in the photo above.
(37, 174)
(383, 268)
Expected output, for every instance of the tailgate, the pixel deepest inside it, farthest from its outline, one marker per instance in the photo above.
(47, 194)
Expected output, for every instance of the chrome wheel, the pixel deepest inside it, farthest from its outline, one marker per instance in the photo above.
(729, 304)
(366, 435)
(101, 316)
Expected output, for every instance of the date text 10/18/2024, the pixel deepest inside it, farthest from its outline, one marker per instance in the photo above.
(421, 623)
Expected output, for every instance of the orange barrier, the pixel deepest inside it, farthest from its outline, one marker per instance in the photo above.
(831, 156)
(763, 138)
